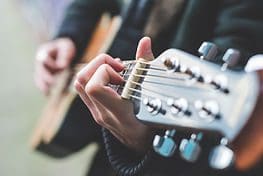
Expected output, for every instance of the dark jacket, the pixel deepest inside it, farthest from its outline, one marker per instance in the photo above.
(228, 23)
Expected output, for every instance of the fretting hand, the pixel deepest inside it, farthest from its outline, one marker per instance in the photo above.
(107, 107)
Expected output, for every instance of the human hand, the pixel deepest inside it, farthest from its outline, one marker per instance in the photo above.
(107, 107)
(248, 146)
(51, 58)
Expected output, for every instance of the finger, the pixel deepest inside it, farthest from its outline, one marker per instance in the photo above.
(45, 74)
(144, 49)
(95, 107)
(118, 59)
(66, 52)
(97, 87)
(85, 74)
(83, 95)
(44, 58)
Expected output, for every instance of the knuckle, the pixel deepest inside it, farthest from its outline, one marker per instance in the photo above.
(92, 89)
(81, 78)
(77, 86)
(103, 57)
(42, 56)
(104, 67)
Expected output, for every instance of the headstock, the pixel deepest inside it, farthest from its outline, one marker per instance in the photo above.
(180, 91)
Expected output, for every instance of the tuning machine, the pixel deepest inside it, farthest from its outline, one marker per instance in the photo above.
(231, 58)
(221, 156)
(190, 149)
(209, 110)
(178, 106)
(172, 64)
(165, 145)
(207, 50)
(153, 106)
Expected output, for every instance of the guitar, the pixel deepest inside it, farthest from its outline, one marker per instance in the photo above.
(63, 127)
(181, 92)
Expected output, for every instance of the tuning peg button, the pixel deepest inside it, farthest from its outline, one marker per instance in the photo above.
(221, 157)
(153, 106)
(208, 111)
(220, 82)
(231, 58)
(191, 149)
(207, 50)
(172, 64)
(178, 106)
(165, 145)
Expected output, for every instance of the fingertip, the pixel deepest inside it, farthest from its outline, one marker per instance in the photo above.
(144, 49)
(146, 39)
(117, 59)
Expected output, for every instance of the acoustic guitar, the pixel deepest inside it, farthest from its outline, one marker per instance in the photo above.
(64, 127)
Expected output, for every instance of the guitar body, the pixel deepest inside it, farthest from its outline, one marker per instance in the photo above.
(64, 126)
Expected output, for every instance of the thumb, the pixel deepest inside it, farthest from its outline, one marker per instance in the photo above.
(144, 49)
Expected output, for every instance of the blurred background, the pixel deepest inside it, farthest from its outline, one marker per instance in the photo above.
(24, 24)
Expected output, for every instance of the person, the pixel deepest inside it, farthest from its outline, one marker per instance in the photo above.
(234, 24)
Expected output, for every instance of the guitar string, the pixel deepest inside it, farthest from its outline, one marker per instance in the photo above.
(124, 74)
(151, 75)
(152, 66)
(140, 98)
(128, 68)
(129, 62)
(179, 82)
(157, 68)
(147, 89)
(163, 83)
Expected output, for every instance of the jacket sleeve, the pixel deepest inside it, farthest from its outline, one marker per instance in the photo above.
(239, 25)
(81, 18)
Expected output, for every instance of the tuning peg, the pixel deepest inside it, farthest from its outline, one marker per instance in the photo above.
(190, 148)
(220, 82)
(178, 106)
(221, 156)
(172, 64)
(207, 50)
(208, 110)
(154, 106)
(165, 145)
(230, 58)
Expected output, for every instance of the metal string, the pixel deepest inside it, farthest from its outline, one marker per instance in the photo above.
(128, 67)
